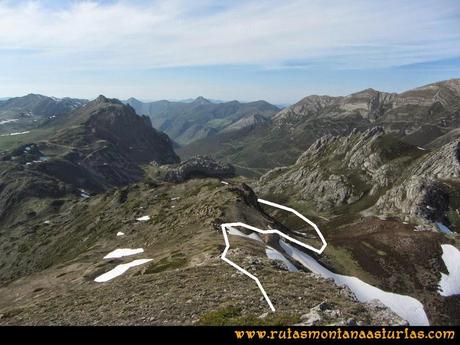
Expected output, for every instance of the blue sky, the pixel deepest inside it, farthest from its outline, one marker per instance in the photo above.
(280, 51)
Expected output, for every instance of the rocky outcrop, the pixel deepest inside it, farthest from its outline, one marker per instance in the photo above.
(398, 179)
(423, 195)
(337, 170)
(417, 198)
(199, 166)
(326, 313)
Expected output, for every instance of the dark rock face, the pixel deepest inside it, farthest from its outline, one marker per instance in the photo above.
(435, 202)
(429, 190)
(134, 136)
(199, 166)
(110, 141)
(248, 195)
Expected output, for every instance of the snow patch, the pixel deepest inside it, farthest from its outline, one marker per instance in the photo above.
(421, 148)
(83, 193)
(143, 218)
(119, 233)
(444, 229)
(406, 307)
(273, 254)
(8, 121)
(15, 133)
(253, 235)
(119, 253)
(223, 182)
(450, 283)
(119, 270)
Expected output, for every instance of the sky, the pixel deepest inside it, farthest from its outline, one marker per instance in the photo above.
(275, 50)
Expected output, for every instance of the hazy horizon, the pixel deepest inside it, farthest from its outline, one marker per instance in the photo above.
(191, 98)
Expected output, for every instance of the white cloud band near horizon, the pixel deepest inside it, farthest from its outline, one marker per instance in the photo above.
(272, 34)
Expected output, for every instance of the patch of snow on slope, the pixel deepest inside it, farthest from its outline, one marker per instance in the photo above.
(119, 233)
(253, 235)
(273, 254)
(444, 229)
(406, 307)
(15, 133)
(119, 253)
(450, 283)
(143, 218)
(119, 270)
(8, 121)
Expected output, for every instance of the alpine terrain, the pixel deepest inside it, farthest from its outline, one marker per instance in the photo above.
(111, 212)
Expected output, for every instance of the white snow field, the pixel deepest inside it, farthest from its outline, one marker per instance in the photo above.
(236, 232)
(450, 283)
(406, 307)
(273, 254)
(119, 253)
(119, 270)
(143, 218)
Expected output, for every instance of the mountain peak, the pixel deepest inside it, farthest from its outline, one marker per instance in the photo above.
(369, 92)
(201, 100)
(102, 99)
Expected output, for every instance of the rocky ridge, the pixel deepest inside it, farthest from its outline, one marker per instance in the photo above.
(374, 168)
(199, 166)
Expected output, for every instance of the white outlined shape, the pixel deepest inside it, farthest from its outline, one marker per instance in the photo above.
(226, 227)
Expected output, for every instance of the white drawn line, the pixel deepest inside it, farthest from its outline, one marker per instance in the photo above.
(231, 263)
(226, 227)
(305, 219)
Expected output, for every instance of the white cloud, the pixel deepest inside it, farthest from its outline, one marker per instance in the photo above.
(349, 34)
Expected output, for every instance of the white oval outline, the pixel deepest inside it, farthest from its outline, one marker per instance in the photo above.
(226, 226)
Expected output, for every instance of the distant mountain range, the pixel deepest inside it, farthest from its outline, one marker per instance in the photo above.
(418, 116)
(186, 122)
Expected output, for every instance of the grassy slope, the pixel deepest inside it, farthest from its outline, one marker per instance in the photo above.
(186, 282)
